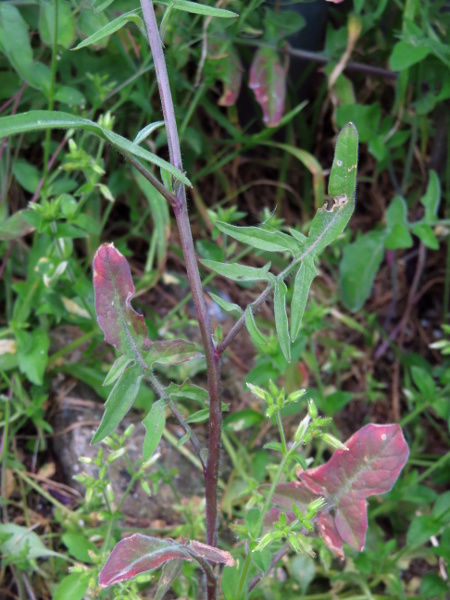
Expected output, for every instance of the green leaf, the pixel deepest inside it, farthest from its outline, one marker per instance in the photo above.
(15, 227)
(154, 424)
(100, 5)
(406, 54)
(199, 416)
(421, 529)
(112, 26)
(257, 337)
(69, 95)
(199, 9)
(21, 541)
(264, 238)
(277, 446)
(72, 587)
(239, 272)
(252, 522)
(27, 175)
(426, 235)
(32, 354)
(432, 197)
(397, 225)
(37, 120)
(170, 572)
(359, 265)
(228, 307)
(171, 352)
(188, 391)
(146, 131)
(345, 164)
(281, 319)
(119, 402)
(119, 366)
(433, 586)
(66, 24)
(302, 284)
(161, 218)
(242, 419)
(79, 546)
(15, 43)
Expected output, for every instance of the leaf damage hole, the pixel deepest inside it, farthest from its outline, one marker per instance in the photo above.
(336, 202)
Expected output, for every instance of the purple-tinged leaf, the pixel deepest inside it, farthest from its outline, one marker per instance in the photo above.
(136, 554)
(123, 327)
(225, 65)
(139, 553)
(268, 82)
(15, 227)
(376, 455)
(213, 554)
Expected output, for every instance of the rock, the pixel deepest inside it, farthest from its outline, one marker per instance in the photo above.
(78, 417)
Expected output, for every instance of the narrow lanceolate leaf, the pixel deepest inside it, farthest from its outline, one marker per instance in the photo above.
(281, 319)
(146, 131)
(257, 337)
(345, 164)
(119, 402)
(37, 120)
(239, 272)
(268, 82)
(370, 466)
(302, 284)
(112, 27)
(140, 553)
(228, 307)
(264, 238)
(119, 366)
(154, 424)
(199, 9)
(123, 327)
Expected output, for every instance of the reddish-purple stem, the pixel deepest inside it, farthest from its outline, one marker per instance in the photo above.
(187, 246)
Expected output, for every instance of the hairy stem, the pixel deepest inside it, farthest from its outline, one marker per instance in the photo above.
(187, 246)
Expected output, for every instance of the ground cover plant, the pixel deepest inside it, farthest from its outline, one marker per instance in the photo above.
(280, 510)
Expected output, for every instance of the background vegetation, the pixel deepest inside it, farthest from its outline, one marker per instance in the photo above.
(373, 346)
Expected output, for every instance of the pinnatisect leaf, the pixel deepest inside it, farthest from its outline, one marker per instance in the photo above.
(376, 455)
(268, 81)
(123, 327)
(139, 553)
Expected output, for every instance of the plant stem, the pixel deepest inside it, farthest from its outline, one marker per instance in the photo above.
(187, 246)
